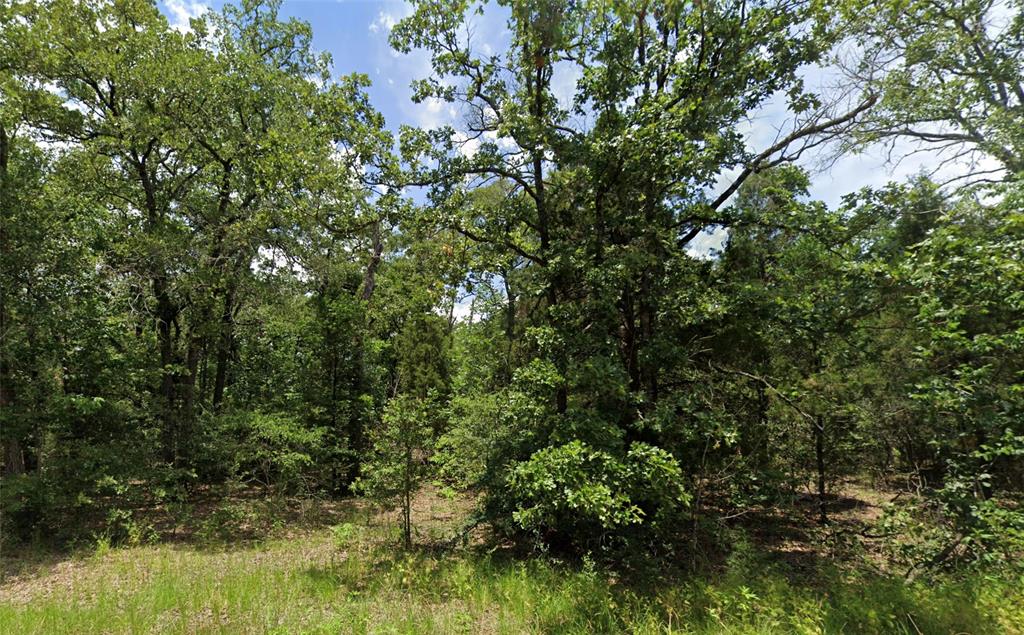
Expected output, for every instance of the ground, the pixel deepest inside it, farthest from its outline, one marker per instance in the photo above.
(334, 567)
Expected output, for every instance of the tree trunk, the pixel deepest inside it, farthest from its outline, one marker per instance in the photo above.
(165, 315)
(510, 326)
(224, 342)
(5, 152)
(370, 279)
(629, 339)
(14, 458)
(648, 326)
(819, 457)
(407, 507)
(188, 392)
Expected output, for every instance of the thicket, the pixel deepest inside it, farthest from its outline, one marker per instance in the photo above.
(220, 267)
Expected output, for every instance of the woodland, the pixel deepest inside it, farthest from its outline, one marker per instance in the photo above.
(270, 364)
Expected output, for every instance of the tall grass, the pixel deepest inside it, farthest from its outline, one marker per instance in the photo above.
(349, 582)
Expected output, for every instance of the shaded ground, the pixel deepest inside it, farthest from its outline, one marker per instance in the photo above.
(793, 535)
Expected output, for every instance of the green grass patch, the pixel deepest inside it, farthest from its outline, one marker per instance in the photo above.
(348, 580)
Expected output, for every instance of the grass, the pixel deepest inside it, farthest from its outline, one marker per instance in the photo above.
(351, 579)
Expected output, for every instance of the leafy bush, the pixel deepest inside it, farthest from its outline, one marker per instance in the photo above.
(464, 451)
(87, 488)
(244, 519)
(224, 524)
(124, 528)
(269, 449)
(587, 495)
(344, 535)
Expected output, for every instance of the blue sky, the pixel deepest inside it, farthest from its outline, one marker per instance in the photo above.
(355, 33)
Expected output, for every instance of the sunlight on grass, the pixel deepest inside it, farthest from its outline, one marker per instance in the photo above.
(314, 584)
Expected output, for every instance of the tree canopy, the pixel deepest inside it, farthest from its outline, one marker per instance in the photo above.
(222, 266)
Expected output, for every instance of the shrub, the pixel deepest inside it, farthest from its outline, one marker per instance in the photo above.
(269, 449)
(585, 497)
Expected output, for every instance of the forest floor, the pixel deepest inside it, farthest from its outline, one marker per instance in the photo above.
(249, 565)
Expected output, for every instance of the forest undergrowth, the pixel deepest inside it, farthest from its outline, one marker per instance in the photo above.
(249, 564)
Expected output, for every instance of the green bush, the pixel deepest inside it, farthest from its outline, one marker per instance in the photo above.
(585, 496)
(268, 449)
(85, 489)
(399, 463)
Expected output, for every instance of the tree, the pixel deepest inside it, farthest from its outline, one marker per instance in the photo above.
(600, 213)
(967, 280)
(950, 79)
(399, 462)
(952, 83)
(206, 147)
(163, 193)
(798, 291)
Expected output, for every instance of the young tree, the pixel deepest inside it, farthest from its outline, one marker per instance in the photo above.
(399, 460)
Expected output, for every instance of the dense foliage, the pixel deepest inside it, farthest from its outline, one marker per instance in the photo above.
(221, 268)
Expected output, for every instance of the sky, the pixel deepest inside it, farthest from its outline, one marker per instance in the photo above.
(355, 33)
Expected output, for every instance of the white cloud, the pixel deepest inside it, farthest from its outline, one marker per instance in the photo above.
(466, 145)
(384, 23)
(708, 244)
(463, 309)
(180, 12)
(434, 105)
(564, 80)
(397, 71)
(431, 113)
